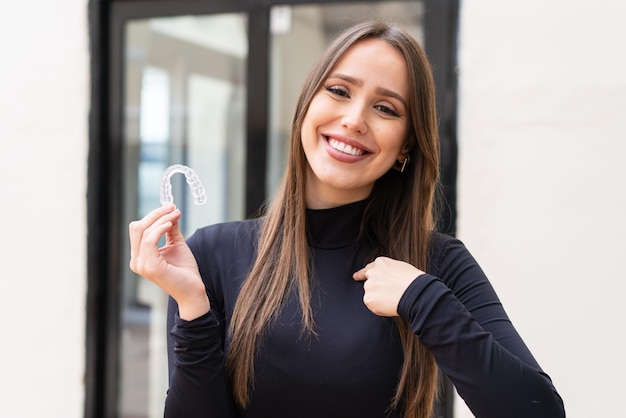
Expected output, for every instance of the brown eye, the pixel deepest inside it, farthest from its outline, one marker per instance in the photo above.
(337, 91)
(388, 110)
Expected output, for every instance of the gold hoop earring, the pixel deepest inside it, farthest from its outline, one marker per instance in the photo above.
(401, 165)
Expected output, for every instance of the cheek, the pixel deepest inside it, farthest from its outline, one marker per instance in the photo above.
(315, 110)
(393, 138)
(313, 119)
(307, 133)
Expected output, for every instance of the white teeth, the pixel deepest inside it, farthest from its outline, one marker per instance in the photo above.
(345, 148)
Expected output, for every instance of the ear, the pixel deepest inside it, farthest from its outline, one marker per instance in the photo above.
(404, 153)
(402, 160)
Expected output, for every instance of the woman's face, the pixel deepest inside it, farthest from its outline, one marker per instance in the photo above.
(356, 124)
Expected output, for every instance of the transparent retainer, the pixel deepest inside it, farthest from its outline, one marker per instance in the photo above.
(197, 189)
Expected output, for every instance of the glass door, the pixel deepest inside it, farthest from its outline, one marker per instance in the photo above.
(212, 85)
(184, 102)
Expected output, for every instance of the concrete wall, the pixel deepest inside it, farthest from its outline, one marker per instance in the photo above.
(44, 93)
(542, 182)
(542, 134)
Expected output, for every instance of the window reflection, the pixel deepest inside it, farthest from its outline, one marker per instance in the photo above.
(184, 102)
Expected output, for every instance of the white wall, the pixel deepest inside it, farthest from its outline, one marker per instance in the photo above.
(542, 182)
(44, 93)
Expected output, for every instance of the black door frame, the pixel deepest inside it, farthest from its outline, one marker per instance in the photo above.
(104, 205)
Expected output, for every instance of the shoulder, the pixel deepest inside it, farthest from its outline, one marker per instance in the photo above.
(449, 256)
(226, 231)
(441, 243)
(225, 237)
(225, 253)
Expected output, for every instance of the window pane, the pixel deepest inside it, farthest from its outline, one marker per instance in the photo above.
(184, 103)
(315, 26)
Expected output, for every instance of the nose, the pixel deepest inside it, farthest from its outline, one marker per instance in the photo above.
(354, 118)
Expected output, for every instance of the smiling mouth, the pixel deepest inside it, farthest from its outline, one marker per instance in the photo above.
(345, 148)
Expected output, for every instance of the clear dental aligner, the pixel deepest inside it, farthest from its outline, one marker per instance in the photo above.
(197, 189)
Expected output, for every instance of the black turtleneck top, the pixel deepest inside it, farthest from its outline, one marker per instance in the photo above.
(350, 368)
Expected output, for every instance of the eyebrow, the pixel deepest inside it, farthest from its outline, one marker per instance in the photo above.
(379, 90)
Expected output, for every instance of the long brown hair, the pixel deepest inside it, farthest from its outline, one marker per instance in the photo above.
(399, 220)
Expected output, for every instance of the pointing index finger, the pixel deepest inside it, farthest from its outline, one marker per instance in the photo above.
(361, 275)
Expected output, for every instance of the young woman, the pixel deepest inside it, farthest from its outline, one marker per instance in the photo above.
(342, 301)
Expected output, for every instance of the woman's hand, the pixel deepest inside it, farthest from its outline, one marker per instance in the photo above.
(386, 280)
(172, 267)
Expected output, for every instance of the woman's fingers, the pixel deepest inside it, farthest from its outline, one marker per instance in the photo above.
(386, 280)
(137, 228)
(152, 217)
(361, 275)
(145, 235)
(150, 263)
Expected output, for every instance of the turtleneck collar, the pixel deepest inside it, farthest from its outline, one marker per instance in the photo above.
(335, 227)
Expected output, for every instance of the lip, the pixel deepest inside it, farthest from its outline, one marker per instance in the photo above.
(341, 156)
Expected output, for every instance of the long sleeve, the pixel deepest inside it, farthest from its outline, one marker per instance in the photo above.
(198, 385)
(456, 314)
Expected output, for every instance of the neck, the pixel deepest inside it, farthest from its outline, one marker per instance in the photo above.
(319, 196)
